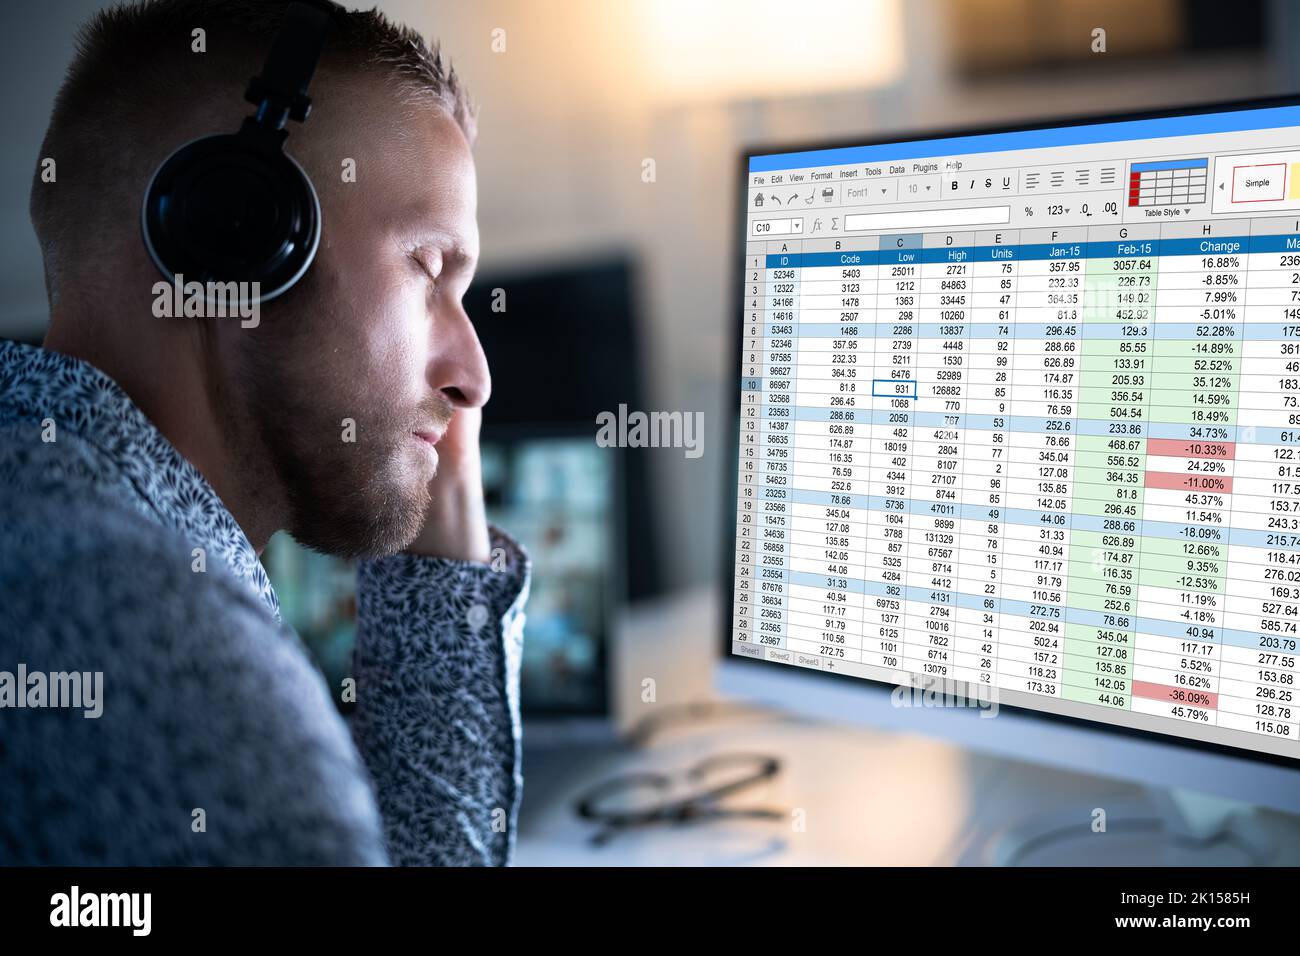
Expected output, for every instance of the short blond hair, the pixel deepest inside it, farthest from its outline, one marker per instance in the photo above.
(133, 68)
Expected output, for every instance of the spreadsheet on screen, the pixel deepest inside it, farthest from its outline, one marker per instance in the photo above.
(1021, 411)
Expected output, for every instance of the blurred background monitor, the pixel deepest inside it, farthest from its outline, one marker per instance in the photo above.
(563, 348)
(558, 495)
(561, 344)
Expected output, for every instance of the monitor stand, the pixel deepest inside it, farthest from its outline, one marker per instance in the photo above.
(1170, 827)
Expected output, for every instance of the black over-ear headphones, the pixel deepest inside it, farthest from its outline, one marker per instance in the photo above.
(234, 206)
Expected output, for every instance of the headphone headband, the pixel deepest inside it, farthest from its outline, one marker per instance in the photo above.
(234, 206)
(280, 92)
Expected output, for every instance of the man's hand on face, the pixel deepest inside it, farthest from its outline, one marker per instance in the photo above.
(456, 526)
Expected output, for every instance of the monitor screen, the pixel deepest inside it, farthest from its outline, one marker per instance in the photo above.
(1019, 415)
(559, 496)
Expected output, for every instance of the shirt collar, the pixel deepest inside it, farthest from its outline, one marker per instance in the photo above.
(37, 384)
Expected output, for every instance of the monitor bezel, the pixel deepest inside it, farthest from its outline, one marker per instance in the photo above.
(731, 405)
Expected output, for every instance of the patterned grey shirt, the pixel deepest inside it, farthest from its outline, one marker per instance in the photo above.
(219, 741)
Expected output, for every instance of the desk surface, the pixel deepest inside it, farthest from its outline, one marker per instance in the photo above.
(852, 796)
(848, 795)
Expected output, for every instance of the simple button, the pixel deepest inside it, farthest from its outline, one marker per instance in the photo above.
(1265, 183)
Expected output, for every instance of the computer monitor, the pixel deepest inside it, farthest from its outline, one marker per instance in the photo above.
(1018, 420)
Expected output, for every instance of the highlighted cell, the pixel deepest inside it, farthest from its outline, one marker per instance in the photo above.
(1168, 481)
(1177, 448)
(893, 388)
(1176, 695)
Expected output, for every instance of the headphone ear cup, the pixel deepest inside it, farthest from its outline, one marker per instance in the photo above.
(226, 208)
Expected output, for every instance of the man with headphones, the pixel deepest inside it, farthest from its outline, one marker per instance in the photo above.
(147, 459)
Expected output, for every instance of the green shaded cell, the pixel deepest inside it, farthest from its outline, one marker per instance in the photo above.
(1105, 590)
(1117, 701)
(1100, 650)
(1095, 546)
(1120, 404)
(1088, 667)
(1091, 501)
(1127, 352)
(1114, 388)
(1111, 512)
(1119, 296)
(1111, 273)
(1106, 373)
(1117, 443)
(1097, 676)
(1123, 608)
(1114, 444)
(1103, 575)
(1103, 570)
(1099, 468)
(1101, 580)
(1096, 683)
(1092, 579)
(1114, 370)
(1117, 631)
(1099, 654)
(1118, 540)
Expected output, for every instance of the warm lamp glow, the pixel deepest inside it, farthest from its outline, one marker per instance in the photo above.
(747, 49)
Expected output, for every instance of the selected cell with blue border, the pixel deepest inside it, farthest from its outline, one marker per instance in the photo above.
(896, 393)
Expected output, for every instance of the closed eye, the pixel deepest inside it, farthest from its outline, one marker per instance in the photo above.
(424, 267)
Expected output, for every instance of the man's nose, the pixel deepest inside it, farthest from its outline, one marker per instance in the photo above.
(460, 368)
